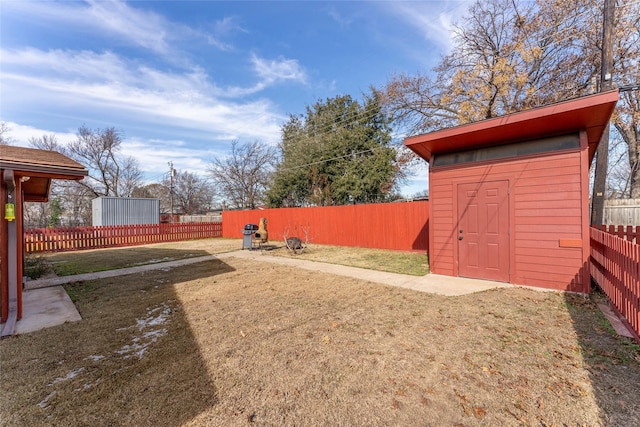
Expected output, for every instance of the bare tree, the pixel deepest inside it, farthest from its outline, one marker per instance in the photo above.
(72, 198)
(191, 194)
(243, 176)
(156, 191)
(512, 55)
(46, 142)
(110, 174)
(5, 139)
(36, 215)
(627, 73)
(507, 57)
(76, 200)
(130, 177)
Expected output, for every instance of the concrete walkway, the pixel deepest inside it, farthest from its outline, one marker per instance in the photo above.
(431, 283)
(46, 304)
(54, 281)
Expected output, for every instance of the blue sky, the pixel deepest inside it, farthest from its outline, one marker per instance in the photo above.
(182, 79)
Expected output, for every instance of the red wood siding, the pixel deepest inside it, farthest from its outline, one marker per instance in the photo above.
(547, 204)
(396, 226)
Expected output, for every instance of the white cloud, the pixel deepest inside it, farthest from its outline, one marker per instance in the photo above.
(224, 28)
(338, 17)
(111, 18)
(21, 134)
(434, 20)
(86, 65)
(143, 28)
(104, 83)
(272, 71)
(115, 19)
(152, 154)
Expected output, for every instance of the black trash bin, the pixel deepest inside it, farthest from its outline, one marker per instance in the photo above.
(247, 235)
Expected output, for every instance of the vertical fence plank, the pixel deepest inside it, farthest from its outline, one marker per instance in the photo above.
(615, 266)
(398, 226)
(78, 238)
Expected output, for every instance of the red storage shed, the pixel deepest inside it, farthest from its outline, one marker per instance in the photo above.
(509, 196)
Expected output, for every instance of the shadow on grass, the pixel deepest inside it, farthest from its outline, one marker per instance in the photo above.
(132, 360)
(612, 361)
(70, 263)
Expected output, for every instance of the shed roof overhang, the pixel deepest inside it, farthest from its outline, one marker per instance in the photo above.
(40, 166)
(589, 113)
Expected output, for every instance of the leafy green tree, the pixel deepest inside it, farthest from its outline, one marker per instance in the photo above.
(56, 212)
(338, 153)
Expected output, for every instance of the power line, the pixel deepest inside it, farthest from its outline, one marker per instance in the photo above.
(368, 150)
(627, 88)
(157, 178)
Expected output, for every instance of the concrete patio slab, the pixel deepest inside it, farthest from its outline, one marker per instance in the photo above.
(44, 308)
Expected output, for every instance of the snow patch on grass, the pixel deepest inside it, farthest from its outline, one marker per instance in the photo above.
(151, 329)
(155, 261)
(45, 402)
(70, 375)
(94, 358)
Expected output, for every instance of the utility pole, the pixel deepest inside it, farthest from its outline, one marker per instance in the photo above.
(602, 159)
(171, 174)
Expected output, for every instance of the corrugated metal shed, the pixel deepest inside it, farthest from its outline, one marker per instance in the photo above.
(125, 211)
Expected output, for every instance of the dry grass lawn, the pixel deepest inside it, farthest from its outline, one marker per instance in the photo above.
(89, 261)
(69, 263)
(377, 259)
(240, 343)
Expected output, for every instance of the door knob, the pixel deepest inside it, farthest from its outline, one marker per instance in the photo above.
(460, 237)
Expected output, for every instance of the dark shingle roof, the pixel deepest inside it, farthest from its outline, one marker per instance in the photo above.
(37, 168)
(34, 160)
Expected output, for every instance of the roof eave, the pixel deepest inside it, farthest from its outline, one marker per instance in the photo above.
(590, 113)
(55, 172)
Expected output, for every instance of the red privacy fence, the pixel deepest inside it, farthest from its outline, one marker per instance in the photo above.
(77, 238)
(626, 232)
(615, 266)
(399, 226)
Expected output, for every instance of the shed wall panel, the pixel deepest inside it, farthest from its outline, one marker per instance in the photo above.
(546, 201)
(125, 211)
